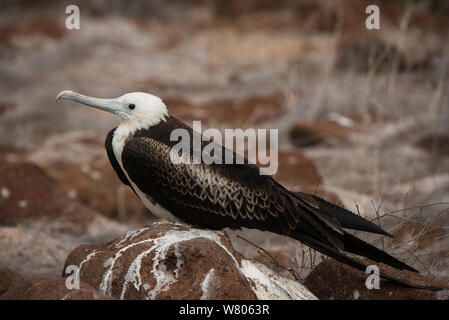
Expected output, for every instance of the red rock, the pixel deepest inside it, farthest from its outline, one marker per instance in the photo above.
(8, 279)
(337, 129)
(42, 26)
(97, 186)
(183, 109)
(164, 261)
(296, 170)
(9, 154)
(6, 106)
(249, 110)
(51, 289)
(435, 143)
(236, 112)
(309, 134)
(234, 7)
(27, 192)
(337, 281)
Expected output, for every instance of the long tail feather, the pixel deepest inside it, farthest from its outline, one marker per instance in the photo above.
(350, 220)
(361, 248)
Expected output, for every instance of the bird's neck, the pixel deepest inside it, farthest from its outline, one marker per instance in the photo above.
(127, 128)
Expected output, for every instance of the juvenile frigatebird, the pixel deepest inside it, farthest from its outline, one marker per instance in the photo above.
(217, 196)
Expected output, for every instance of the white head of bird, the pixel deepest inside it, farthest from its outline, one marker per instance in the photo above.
(139, 110)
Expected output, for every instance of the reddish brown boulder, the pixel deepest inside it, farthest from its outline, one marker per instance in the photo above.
(437, 144)
(51, 289)
(42, 26)
(337, 281)
(310, 134)
(9, 154)
(164, 261)
(237, 112)
(97, 186)
(27, 192)
(296, 170)
(8, 279)
(6, 106)
(337, 129)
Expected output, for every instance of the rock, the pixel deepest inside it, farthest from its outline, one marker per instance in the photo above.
(42, 26)
(268, 285)
(51, 289)
(171, 261)
(9, 154)
(97, 186)
(8, 279)
(338, 129)
(336, 281)
(27, 192)
(437, 144)
(236, 112)
(251, 110)
(310, 134)
(6, 106)
(298, 173)
(235, 8)
(296, 170)
(185, 110)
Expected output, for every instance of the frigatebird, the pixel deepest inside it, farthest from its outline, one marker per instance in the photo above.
(227, 195)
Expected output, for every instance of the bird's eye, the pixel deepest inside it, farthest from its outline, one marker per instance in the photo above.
(131, 106)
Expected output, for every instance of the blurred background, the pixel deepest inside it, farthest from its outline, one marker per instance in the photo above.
(363, 115)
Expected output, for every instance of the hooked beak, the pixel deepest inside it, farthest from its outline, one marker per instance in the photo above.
(109, 105)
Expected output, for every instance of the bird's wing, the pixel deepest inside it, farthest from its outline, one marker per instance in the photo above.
(227, 194)
(209, 188)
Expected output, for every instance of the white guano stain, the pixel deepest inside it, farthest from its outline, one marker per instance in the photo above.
(106, 282)
(179, 260)
(267, 285)
(206, 285)
(129, 236)
(88, 257)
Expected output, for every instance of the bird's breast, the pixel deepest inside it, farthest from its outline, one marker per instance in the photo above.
(122, 135)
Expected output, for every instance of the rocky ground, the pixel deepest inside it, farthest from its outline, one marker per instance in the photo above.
(362, 116)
